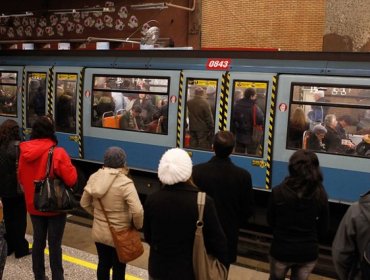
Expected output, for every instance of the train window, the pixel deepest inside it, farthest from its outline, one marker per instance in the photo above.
(131, 103)
(8, 94)
(200, 114)
(248, 116)
(36, 96)
(330, 119)
(65, 102)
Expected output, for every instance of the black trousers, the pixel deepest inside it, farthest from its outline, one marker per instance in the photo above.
(15, 218)
(108, 259)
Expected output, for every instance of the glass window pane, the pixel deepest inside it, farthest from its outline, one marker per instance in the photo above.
(8, 94)
(36, 96)
(131, 103)
(248, 116)
(65, 103)
(200, 113)
(338, 124)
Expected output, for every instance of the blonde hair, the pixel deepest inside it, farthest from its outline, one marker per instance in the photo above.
(298, 118)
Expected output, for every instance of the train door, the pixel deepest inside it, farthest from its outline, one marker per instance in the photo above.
(36, 92)
(200, 99)
(10, 93)
(249, 119)
(330, 116)
(67, 112)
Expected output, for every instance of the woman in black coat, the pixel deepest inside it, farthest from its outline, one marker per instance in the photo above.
(15, 213)
(298, 213)
(170, 217)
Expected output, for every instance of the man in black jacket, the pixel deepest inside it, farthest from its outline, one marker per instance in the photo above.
(230, 187)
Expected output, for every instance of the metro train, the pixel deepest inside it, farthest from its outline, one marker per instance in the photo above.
(93, 96)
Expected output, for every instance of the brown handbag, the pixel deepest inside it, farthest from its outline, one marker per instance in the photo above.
(126, 241)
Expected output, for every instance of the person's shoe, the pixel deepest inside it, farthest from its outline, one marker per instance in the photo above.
(24, 255)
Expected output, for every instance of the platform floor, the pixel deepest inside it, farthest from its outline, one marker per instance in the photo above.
(80, 261)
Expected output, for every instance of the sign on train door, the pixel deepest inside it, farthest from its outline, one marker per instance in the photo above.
(65, 87)
(11, 94)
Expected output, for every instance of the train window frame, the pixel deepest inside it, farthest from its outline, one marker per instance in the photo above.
(331, 107)
(73, 107)
(29, 121)
(13, 103)
(164, 95)
(213, 82)
(260, 150)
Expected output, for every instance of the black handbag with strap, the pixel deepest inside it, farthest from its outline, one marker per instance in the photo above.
(51, 194)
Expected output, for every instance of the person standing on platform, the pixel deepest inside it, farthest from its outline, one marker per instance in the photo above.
(170, 217)
(15, 213)
(351, 239)
(3, 244)
(120, 200)
(46, 225)
(298, 212)
(231, 188)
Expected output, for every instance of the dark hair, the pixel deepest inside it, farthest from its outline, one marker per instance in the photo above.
(305, 176)
(43, 127)
(249, 92)
(137, 109)
(223, 143)
(9, 131)
(347, 119)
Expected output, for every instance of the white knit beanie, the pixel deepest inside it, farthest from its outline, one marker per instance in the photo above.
(175, 166)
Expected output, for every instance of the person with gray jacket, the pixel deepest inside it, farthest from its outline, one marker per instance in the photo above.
(119, 197)
(351, 238)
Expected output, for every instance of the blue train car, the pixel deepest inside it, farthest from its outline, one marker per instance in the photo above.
(141, 101)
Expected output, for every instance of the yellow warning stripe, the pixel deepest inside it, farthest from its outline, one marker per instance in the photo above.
(179, 110)
(270, 132)
(79, 112)
(89, 265)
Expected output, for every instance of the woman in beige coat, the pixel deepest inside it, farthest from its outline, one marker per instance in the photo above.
(118, 195)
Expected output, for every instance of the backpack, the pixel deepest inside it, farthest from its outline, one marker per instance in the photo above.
(365, 262)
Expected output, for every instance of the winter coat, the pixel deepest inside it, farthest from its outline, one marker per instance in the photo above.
(169, 227)
(231, 188)
(8, 172)
(32, 166)
(351, 238)
(200, 115)
(243, 120)
(119, 198)
(297, 223)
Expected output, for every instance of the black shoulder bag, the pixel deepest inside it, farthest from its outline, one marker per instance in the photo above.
(51, 194)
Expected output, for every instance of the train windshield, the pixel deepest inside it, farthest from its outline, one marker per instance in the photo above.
(330, 119)
(65, 102)
(131, 103)
(36, 96)
(8, 94)
(248, 116)
(200, 114)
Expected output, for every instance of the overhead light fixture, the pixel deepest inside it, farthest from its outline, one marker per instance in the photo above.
(83, 10)
(25, 14)
(149, 6)
(161, 6)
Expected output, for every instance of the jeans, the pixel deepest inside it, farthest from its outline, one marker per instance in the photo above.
(51, 227)
(299, 271)
(108, 259)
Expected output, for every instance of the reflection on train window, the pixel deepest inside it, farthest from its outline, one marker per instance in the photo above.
(65, 102)
(36, 96)
(200, 114)
(248, 116)
(8, 94)
(131, 103)
(330, 119)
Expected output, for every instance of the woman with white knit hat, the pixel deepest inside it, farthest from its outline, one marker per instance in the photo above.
(170, 217)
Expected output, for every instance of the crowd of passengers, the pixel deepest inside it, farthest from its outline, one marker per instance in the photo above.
(297, 211)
